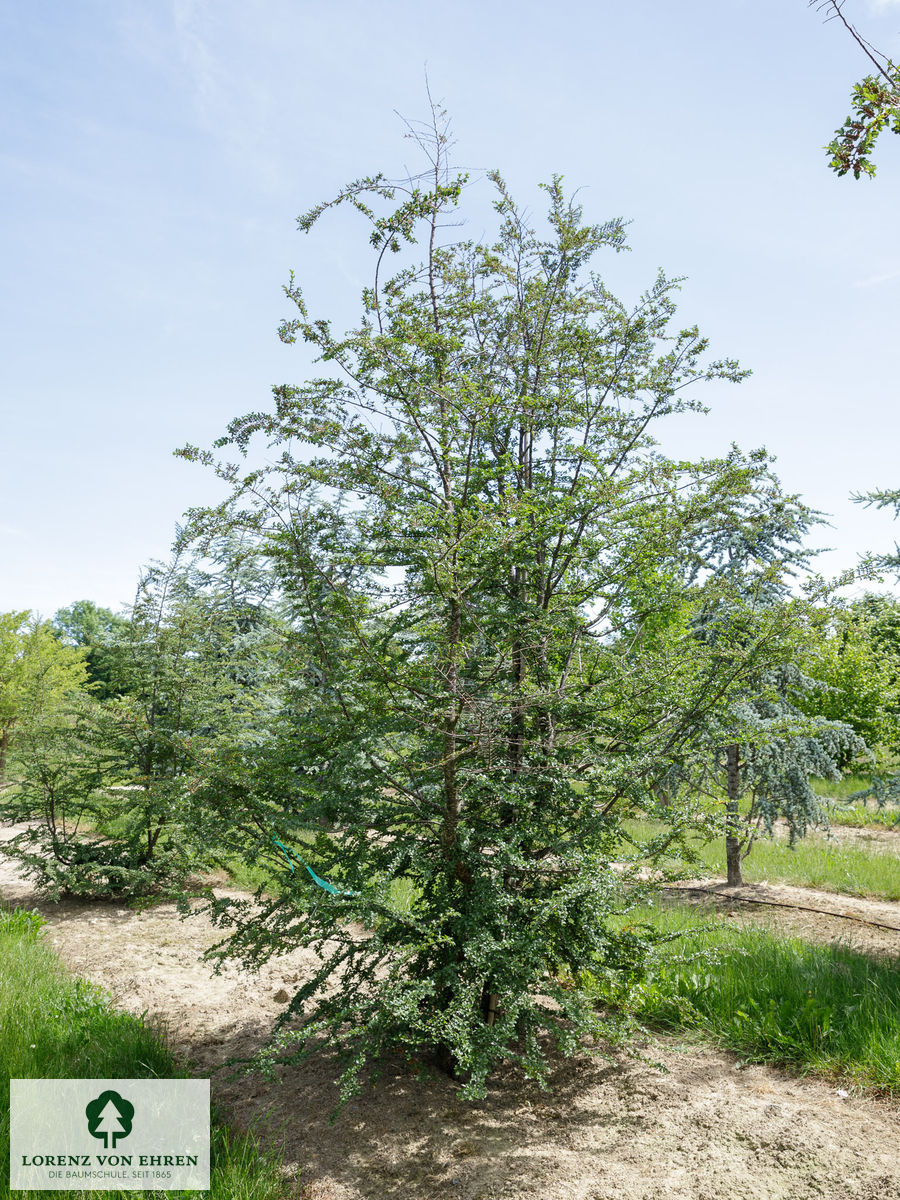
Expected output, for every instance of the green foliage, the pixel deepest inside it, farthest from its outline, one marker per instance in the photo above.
(853, 660)
(875, 101)
(787, 747)
(491, 655)
(777, 999)
(759, 753)
(38, 675)
(876, 107)
(814, 862)
(54, 1026)
(109, 785)
(94, 630)
(13, 638)
(762, 744)
(883, 620)
(784, 748)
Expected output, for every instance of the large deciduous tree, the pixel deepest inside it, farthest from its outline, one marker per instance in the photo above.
(492, 658)
(94, 630)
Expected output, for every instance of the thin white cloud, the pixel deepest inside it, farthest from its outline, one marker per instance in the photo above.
(880, 6)
(218, 45)
(189, 17)
(873, 280)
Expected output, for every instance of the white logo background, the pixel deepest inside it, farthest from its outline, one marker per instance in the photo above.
(47, 1120)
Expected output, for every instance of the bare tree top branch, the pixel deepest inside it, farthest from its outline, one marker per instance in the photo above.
(835, 8)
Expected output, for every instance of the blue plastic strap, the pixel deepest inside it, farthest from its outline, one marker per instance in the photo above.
(323, 884)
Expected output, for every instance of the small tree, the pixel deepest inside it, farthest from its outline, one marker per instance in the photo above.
(776, 753)
(109, 784)
(760, 751)
(764, 746)
(37, 676)
(471, 522)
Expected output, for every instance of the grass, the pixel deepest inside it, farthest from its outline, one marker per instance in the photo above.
(837, 794)
(840, 789)
(56, 1026)
(247, 877)
(777, 999)
(813, 862)
(859, 815)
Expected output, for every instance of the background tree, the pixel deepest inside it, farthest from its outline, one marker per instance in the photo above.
(764, 747)
(468, 515)
(882, 612)
(96, 631)
(875, 100)
(37, 675)
(776, 753)
(853, 658)
(109, 783)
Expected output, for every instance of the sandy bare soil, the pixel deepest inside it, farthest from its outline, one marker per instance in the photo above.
(707, 1129)
(831, 918)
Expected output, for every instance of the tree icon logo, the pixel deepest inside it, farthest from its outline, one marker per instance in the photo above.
(109, 1116)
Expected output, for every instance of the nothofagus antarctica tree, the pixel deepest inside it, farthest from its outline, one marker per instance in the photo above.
(491, 659)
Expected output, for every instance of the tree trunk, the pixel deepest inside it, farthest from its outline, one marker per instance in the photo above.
(489, 1006)
(4, 743)
(733, 841)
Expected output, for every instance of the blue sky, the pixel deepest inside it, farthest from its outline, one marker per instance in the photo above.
(155, 154)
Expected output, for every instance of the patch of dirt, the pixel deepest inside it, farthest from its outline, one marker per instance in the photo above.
(829, 924)
(705, 1129)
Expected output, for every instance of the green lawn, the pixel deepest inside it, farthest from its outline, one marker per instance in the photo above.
(776, 999)
(55, 1026)
(842, 788)
(814, 862)
(841, 812)
(860, 815)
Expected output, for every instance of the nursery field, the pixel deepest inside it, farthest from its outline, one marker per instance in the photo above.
(774, 1073)
(854, 860)
(447, 730)
(491, 784)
